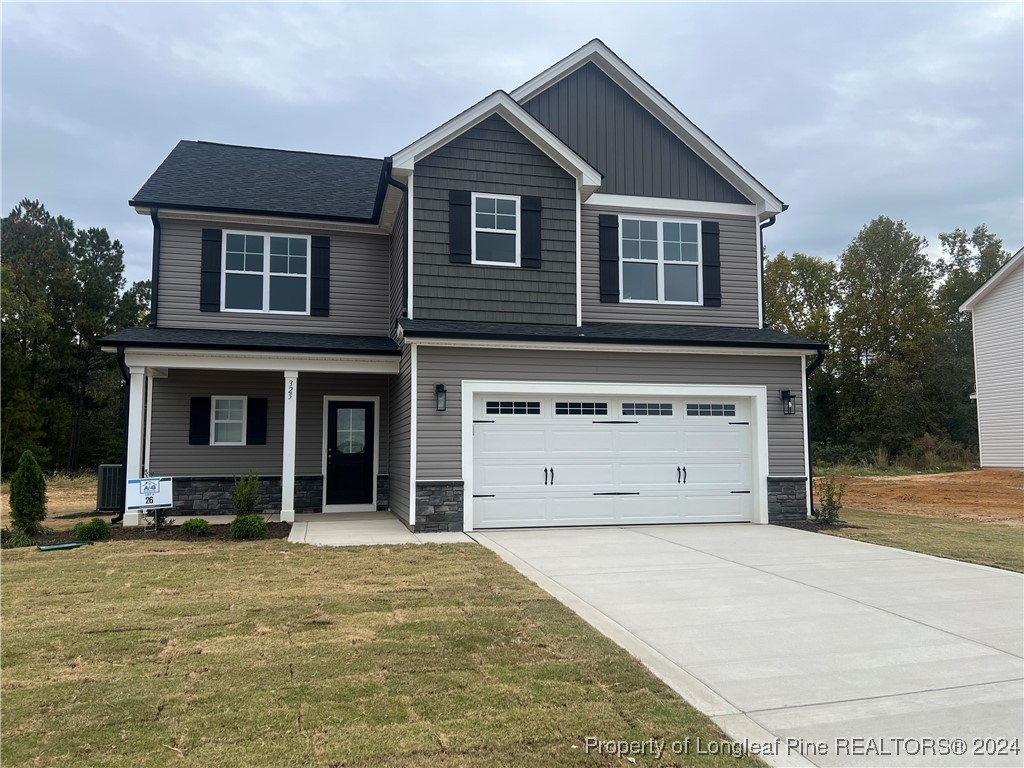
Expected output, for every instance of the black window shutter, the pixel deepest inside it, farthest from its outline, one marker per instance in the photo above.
(199, 421)
(712, 264)
(608, 250)
(320, 277)
(460, 226)
(529, 230)
(209, 272)
(256, 421)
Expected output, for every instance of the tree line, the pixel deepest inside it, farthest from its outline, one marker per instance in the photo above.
(896, 383)
(61, 290)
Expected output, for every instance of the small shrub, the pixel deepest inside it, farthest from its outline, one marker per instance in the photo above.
(248, 527)
(246, 498)
(162, 518)
(196, 527)
(28, 496)
(95, 530)
(830, 501)
(13, 538)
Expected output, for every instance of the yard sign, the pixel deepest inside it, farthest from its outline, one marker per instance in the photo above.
(149, 493)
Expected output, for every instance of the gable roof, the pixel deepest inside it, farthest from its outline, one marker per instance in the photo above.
(604, 58)
(201, 175)
(501, 104)
(1001, 274)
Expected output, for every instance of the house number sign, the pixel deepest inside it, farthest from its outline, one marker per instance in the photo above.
(290, 387)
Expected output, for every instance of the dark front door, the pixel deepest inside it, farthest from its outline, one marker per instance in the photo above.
(350, 452)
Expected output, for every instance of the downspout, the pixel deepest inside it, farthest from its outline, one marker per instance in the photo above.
(393, 182)
(154, 283)
(817, 361)
(761, 255)
(124, 424)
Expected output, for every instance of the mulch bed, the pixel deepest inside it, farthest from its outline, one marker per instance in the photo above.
(171, 533)
(809, 525)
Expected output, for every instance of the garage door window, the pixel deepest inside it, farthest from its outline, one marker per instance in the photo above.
(513, 407)
(647, 409)
(581, 409)
(710, 409)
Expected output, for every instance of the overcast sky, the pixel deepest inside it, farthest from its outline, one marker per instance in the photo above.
(846, 112)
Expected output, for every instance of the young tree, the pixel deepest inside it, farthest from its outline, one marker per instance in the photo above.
(28, 496)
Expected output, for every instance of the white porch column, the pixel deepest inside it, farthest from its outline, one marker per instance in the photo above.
(136, 425)
(291, 399)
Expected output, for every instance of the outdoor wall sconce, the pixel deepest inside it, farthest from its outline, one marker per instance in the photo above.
(788, 406)
(442, 396)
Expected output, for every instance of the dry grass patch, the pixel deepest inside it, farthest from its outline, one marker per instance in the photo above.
(264, 654)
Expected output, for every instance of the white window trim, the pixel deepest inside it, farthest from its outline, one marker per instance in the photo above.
(659, 220)
(519, 223)
(224, 271)
(213, 418)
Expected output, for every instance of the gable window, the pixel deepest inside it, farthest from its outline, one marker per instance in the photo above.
(660, 260)
(496, 230)
(265, 273)
(227, 420)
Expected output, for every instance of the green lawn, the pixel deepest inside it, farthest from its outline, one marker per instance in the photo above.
(269, 654)
(997, 544)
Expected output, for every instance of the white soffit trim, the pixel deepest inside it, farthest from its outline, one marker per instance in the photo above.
(257, 361)
(670, 205)
(270, 222)
(992, 282)
(598, 53)
(560, 346)
(500, 103)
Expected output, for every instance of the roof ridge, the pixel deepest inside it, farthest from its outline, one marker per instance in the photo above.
(278, 149)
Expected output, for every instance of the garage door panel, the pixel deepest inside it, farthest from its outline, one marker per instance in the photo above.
(582, 475)
(701, 442)
(730, 475)
(582, 510)
(647, 474)
(582, 439)
(718, 508)
(492, 478)
(509, 439)
(642, 439)
(511, 512)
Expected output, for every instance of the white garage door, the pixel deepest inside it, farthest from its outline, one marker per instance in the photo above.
(570, 460)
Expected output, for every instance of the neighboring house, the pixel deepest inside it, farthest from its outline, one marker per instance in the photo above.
(997, 310)
(547, 311)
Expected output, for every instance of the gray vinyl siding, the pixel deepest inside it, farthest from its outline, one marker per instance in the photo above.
(493, 157)
(740, 302)
(396, 270)
(636, 153)
(401, 435)
(171, 454)
(359, 284)
(999, 359)
(439, 437)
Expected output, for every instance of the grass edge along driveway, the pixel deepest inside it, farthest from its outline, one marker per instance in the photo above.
(268, 654)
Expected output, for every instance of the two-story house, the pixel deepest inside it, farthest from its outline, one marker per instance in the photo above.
(545, 312)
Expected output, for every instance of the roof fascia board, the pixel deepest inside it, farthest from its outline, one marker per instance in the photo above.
(605, 59)
(678, 349)
(670, 205)
(992, 282)
(501, 104)
(266, 220)
(253, 361)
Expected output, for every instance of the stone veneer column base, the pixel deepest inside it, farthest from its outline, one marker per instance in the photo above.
(787, 499)
(438, 506)
(383, 492)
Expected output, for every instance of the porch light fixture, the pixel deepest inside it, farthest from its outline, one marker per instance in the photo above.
(442, 396)
(788, 406)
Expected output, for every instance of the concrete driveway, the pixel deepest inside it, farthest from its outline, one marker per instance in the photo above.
(785, 634)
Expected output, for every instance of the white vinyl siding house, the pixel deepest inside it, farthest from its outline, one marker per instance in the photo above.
(998, 315)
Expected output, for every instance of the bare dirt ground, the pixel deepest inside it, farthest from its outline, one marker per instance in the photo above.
(984, 495)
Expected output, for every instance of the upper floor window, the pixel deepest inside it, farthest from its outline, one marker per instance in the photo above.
(265, 273)
(496, 230)
(660, 260)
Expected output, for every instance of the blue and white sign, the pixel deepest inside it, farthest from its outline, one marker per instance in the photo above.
(150, 493)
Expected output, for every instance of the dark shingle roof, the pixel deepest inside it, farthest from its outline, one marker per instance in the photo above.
(203, 338)
(611, 333)
(222, 177)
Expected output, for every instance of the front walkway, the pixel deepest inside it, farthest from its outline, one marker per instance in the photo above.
(785, 634)
(357, 529)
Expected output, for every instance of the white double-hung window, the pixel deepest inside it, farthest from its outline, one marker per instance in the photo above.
(265, 273)
(496, 230)
(227, 420)
(660, 260)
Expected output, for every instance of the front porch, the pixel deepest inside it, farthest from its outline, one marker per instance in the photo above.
(314, 427)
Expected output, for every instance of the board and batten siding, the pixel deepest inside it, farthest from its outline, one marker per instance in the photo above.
(359, 303)
(171, 454)
(401, 435)
(396, 271)
(439, 436)
(636, 153)
(493, 157)
(738, 250)
(999, 374)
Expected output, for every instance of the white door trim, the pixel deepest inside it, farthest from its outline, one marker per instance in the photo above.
(759, 420)
(371, 507)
